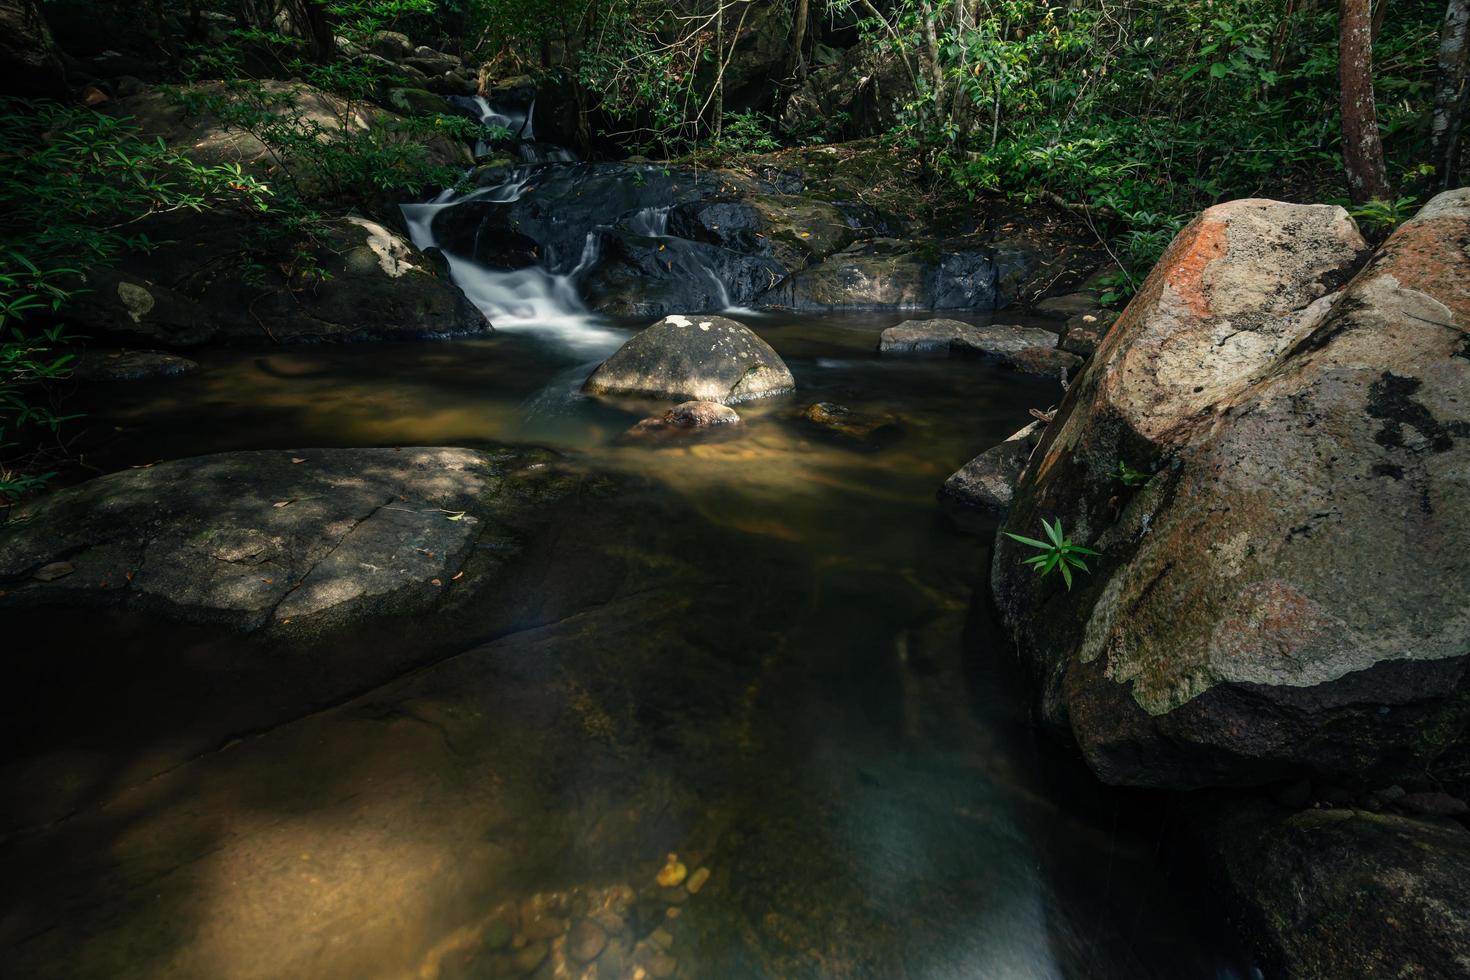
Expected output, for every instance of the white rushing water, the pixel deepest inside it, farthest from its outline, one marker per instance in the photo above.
(535, 298)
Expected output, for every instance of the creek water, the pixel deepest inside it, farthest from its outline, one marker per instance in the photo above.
(797, 687)
(756, 719)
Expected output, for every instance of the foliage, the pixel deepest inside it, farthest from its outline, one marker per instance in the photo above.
(1131, 477)
(74, 185)
(1136, 116)
(1058, 553)
(1381, 217)
(747, 132)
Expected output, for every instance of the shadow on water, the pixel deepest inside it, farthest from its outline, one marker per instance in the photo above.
(764, 654)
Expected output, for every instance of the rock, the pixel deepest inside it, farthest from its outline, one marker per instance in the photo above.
(894, 274)
(700, 358)
(130, 365)
(30, 62)
(839, 420)
(697, 880)
(683, 419)
(1027, 349)
(1433, 804)
(259, 541)
(377, 286)
(586, 941)
(866, 87)
(417, 102)
(924, 336)
(642, 276)
(1344, 893)
(1067, 305)
(1085, 331)
(172, 117)
(672, 874)
(390, 44)
(985, 482)
(1286, 595)
(433, 63)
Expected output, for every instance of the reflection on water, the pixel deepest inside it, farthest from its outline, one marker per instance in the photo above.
(775, 671)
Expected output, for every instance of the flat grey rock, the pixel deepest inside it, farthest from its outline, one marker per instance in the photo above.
(694, 358)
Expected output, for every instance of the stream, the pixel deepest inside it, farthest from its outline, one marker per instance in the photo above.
(774, 659)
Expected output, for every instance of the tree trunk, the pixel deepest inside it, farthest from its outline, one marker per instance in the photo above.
(798, 39)
(1449, 96)
(1362, 150)
(315, 25)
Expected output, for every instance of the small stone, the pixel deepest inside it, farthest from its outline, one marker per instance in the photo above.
(662, 938)
(530, 957)
(585, 941)
(702, 413)
(672, 874)
(53, 571)
(662, 966)
(697, 880)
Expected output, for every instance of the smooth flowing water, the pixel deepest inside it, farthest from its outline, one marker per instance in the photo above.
(785, 676)
(752, 718)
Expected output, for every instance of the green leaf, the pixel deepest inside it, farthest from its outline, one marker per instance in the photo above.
(1028, 541)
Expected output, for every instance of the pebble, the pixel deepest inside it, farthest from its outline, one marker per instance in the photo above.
(672, 874)
(586, 941)
(662, 938)
(697, 880)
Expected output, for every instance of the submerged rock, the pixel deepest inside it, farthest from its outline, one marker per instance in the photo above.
(841, 421)
(1345, 893)
(297, 541)
(130, 365)
(895, 274)
(683, 419)
(698, 358)
(985, 482)
(1286, 593)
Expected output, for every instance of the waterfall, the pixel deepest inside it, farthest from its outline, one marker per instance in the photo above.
(544, 296)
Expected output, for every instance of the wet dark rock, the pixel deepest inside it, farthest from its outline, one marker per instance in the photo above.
(130, 365)
(851, 426)
(864, 86)
(1286, 596)
(693, 358)
(985, 482)
(894, 274)
(641, 276)
(416, 102)
(390, 44)
(188, 293)
(1344, 893)
(303, 541)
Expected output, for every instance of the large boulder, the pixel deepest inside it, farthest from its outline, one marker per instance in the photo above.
(363, 281)
(699, 358)
(1286, 592)
(1344, 893)
(297, 542)
(643, 276)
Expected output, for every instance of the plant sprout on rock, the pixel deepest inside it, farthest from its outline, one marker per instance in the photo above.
(1058, 552)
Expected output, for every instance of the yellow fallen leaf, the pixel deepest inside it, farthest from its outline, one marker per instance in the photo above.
(284, 503)
(297, 459)
(458, 575)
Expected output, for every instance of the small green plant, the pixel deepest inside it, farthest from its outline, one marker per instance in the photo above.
(1131, 477)
(1383, 216)
(1057, 552)
(747, 132)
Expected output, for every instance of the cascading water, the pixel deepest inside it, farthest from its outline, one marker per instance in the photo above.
(544, 292)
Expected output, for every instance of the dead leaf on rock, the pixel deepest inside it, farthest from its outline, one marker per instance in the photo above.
(284, 503)
(297, 459)
(458, 575)
(53, 571)
(434, 581)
